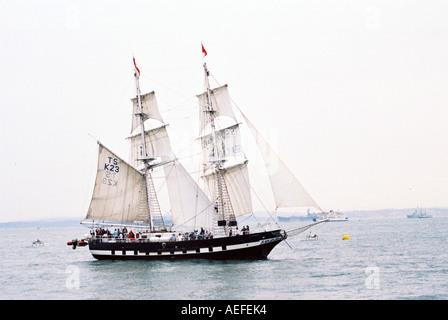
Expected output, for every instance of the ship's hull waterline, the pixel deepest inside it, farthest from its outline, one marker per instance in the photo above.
(243, 247)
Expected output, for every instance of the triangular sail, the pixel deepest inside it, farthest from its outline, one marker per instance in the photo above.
(287, 190)
(119, 193)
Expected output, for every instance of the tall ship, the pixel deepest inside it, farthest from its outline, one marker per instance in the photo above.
(126, 218)
(419, 213)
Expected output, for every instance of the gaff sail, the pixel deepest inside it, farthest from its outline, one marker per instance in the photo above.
(119, 191)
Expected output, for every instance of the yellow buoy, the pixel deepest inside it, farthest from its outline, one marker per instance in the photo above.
(345, 237)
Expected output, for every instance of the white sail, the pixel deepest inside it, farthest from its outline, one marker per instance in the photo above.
(189, 204)
(238, 188)
(118, 186)
(225, 165)
(228, 144)
(150, 109)
(157, 145)
(287, 190)
(220, 102)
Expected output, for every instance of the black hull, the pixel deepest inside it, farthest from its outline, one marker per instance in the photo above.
(245, 247)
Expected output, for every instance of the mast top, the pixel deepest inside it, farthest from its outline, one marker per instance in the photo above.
(146, 160)
(136, 69)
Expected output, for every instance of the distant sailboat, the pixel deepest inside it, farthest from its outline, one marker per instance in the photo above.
(126, 198)
(419, 213)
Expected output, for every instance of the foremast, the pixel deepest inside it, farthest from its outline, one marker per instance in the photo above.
(149, 206)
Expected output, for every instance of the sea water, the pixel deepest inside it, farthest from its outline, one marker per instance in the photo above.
(383, 259)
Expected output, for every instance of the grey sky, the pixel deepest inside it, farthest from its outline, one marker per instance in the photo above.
(352, 93)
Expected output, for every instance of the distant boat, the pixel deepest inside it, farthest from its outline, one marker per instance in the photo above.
(312, 236)
(419, 213)
(333, 216)
(38, 243)
(313, 216)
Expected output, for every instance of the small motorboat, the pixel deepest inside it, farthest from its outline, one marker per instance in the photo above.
(75, 242)
(312, 236)
(38, 243)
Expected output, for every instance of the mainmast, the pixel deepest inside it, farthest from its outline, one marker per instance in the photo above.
(211, 113)
(224, 215)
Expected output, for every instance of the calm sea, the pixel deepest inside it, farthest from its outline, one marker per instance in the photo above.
(384, 259)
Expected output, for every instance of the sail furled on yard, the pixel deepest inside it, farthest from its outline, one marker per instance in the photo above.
(119, 192)
(287, 190)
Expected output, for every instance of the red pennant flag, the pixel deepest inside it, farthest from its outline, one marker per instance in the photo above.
(136, 66)
(203, 50)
